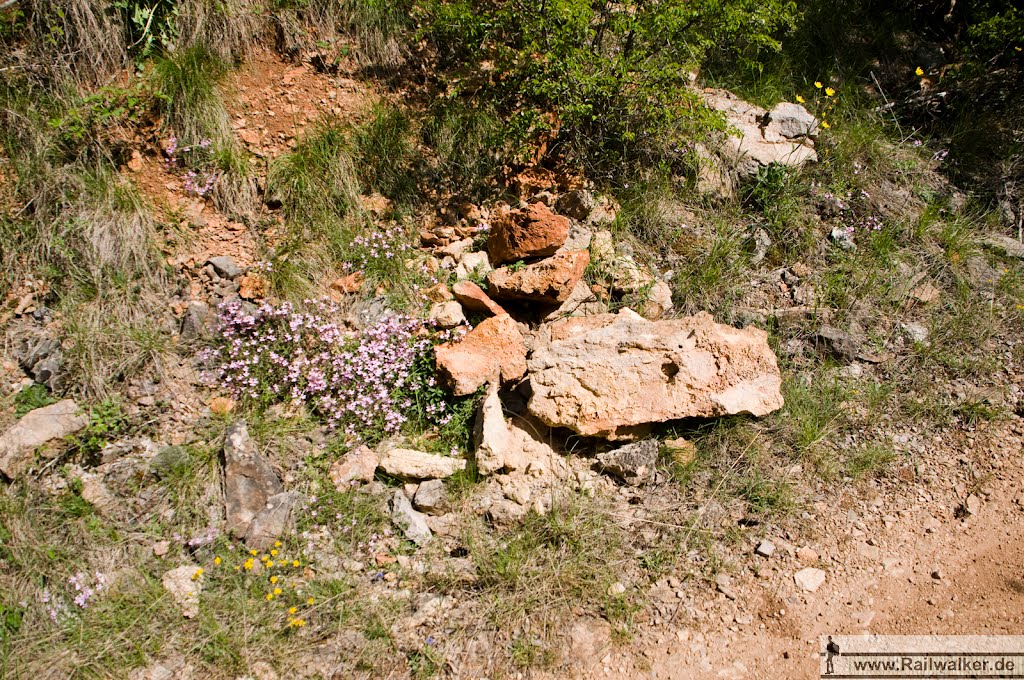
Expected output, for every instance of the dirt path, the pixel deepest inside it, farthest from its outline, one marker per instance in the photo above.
(908, 561)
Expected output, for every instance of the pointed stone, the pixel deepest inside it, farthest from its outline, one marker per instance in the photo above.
(249, 479)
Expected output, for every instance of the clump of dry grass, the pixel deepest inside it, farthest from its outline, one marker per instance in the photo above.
(75, 40)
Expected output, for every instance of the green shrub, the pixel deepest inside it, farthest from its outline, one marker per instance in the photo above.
(610, 78)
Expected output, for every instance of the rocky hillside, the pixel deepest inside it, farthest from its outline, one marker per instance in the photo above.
(339, 342)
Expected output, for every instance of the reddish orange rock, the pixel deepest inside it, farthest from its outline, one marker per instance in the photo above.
(533, 232)
(474, 299)
(550, 281)
(493, 350)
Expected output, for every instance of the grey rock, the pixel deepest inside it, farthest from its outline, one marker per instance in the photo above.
(19, 442)
(723, 584)
(226, 266)
(633, 463)
(1004, 245)
(197, 321)
(272, 521)
(430, 497)
(412, 523)
(915, 332)
(840, 344)
(169, 460)
(762, 242)
(249, 479)
(43, 360)
(792, 121)
(765, 549)
(469, 263)
(843, 239)
(577, 204)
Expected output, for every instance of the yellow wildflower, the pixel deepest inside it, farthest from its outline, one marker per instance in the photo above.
(919, 71)
(829, 92)
(273, 579)
(310, 601)
(253, 552)
(269, 563)
(270, 596)
(800, 99)
(277, 591)
(817, 84)
(199, 572)
(292, 610)
(248, 564)
(277, 544)
(295, 563)
(825, 124)
(273, 553)
(217, 560)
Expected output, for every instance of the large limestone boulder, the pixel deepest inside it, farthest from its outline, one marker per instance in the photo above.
(784, 135)
(491, 351)
(613, 374)
(520, 234)
(549, 281)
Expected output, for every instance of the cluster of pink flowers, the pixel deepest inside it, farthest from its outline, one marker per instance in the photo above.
(85, 589)
(198, 182)
(377, 247)
(365, 383)
(848, 210)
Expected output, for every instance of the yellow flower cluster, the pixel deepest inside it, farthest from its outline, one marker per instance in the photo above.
(824, 106)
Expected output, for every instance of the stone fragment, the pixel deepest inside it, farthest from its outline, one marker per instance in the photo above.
(551, 280)
(809, 579)
(409, 464)
(493, 350)
(430, 497)
(184, 589)
(577, 204)
(249, 479)
(522, 234)
(354, 467)
(37, 427)
(447, 314)
(765, 549)
(273, 521)
(633, 463)
(472, 263)
(474, 299)
(225, 266)
(412, 523)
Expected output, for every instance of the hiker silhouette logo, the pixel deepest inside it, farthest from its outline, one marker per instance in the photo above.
(831, 651)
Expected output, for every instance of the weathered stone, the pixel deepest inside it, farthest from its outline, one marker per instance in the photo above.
(43, 359)
(249, 479)
(633, 463)
(353, 468)
(491, 351)
(19, 442)
(765, 549)
(790, 121)
(1004, 245)
(602, 246)
(413, 524)
(628, 275)
(551, 280)
(184, 588)
(437, 293)
(761, 140)
(491, 434)
(840, 344)
(658, 302)
(226, 266)
(447, 314)
(521, 234)
(197, 321)
(809, 579)
(430, 497)
(612, 374)
(577, 204)
(474, 299)
(472, 263)
(581, 302)
(409, 464)
(273, 521)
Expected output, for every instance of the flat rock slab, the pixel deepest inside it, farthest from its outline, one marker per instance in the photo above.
(611, 375)
(551, 280)
(409, 464)
(18, 444)
(493, 350)
(412, 523)
(353, 468)
(809, 579)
